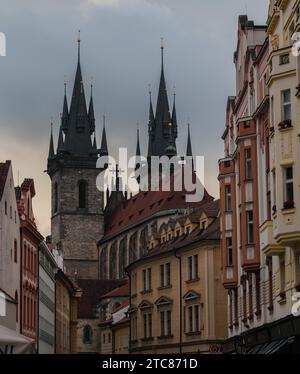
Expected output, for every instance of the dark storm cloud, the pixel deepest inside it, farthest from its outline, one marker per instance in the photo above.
(120, 50)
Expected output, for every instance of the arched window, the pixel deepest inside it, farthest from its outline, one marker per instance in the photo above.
(55, 196)
(87, 334)
(143, 242)
(82, 194)
(103, 264)
(132, 248)
(122, 257)
(113, 261)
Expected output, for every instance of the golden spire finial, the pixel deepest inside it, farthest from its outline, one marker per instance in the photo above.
(162, 43)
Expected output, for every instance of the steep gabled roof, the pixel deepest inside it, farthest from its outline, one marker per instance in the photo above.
(4, 169)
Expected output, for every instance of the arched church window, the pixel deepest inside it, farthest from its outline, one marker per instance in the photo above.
(113, 261)
(132, 248)
(55, 206)
(122, 257)
(144, 242)
(87, 334)
(103, 264)
(82, 194)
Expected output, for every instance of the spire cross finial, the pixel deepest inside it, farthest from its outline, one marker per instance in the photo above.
(174, 90)
(78, 41)
(162, 52)
(92, 85)
(104, 118)
(65, 84)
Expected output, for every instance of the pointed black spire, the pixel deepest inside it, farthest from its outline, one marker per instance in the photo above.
(65, 113)
(138, 148)
(91, 112)
(104, 148)
(78, 137)
(151, 125)
(95, 142)
(174, 115)
(189, 144)
(162, 107)
(60, 144)
(51, 154)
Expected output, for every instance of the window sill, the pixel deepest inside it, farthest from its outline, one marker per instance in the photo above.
(147, 339)
(195, 333)
(192, 281)
(146, 292)
(164, 337)
(288, 211)
(164, 288)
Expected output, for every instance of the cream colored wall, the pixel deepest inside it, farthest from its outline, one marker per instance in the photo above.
(121, 339)
(213, 300)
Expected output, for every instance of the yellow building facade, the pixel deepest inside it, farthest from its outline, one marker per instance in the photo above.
(178, 303)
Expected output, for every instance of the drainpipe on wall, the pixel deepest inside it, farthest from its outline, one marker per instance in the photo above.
(180, 301)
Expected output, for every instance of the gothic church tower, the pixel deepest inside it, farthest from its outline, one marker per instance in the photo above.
(77, 205)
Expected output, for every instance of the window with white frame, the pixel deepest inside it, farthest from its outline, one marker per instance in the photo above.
(250, 227)
(286, 105)
(229, 254)
(248, 163)
(165, 323)
(228, 197)
(289, 184)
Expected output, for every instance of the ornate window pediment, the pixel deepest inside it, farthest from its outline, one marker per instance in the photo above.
(163, 300)
(191, 295)
(145, 304)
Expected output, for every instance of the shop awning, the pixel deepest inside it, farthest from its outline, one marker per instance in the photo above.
(271, 348)
(13, 343)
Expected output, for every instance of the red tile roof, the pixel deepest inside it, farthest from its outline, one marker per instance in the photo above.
(144, 205)
(123, 305)
(4, 168)
(122, 291)
(93, 290)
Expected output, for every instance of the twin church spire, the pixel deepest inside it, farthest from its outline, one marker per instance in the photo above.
(78, 124)
(77, 137)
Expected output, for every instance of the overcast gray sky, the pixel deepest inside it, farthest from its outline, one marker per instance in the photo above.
(120, 50)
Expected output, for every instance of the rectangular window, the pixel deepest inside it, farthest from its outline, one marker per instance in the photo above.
(196, 270)
(284, 59)
(162, 275)
(286, 105)
(250, 227)
(162, 323)
(289, 185)
(282, 273)
(190, 264)
(190, 318)
(197, 318)
(168, 273)
(144, 280)
(145, 326)
(169, 323)
(229, 252)
(248, 163)
(228, 198)
(149, 279)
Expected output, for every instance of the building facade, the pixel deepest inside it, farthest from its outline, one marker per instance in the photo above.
(30, 239)
(177, 302)
(10, 258)
(67, 294)
(259, 269)
(46, 306)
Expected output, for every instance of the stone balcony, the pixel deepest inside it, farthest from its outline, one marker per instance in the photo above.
(268, 244)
